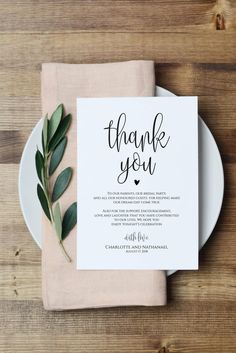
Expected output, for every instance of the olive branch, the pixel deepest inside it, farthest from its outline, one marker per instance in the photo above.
(54, 141)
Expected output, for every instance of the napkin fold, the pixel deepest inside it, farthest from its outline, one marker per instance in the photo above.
(63, 286)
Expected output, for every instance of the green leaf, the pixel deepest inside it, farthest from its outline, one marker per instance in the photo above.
(57, 155)
(43, 201)
(61, 183)
(69, 220)
(55, 121)
(39, 163)
(57, 220)
(60, 133)
(43, 147)
(45, 133)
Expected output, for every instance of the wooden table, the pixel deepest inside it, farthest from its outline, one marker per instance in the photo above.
(194, 46)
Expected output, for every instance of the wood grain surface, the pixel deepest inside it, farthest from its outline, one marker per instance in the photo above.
(193, 43)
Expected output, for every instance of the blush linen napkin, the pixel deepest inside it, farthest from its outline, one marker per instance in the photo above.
(64, 287)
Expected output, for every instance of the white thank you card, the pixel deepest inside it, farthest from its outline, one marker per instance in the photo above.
(137, 183)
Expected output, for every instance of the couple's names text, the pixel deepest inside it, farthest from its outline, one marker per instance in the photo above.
(118, 138)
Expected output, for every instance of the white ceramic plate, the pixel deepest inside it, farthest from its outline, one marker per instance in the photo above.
(211, 181)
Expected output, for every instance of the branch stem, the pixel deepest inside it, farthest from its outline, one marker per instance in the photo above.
(47, 194)
(65, 252)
